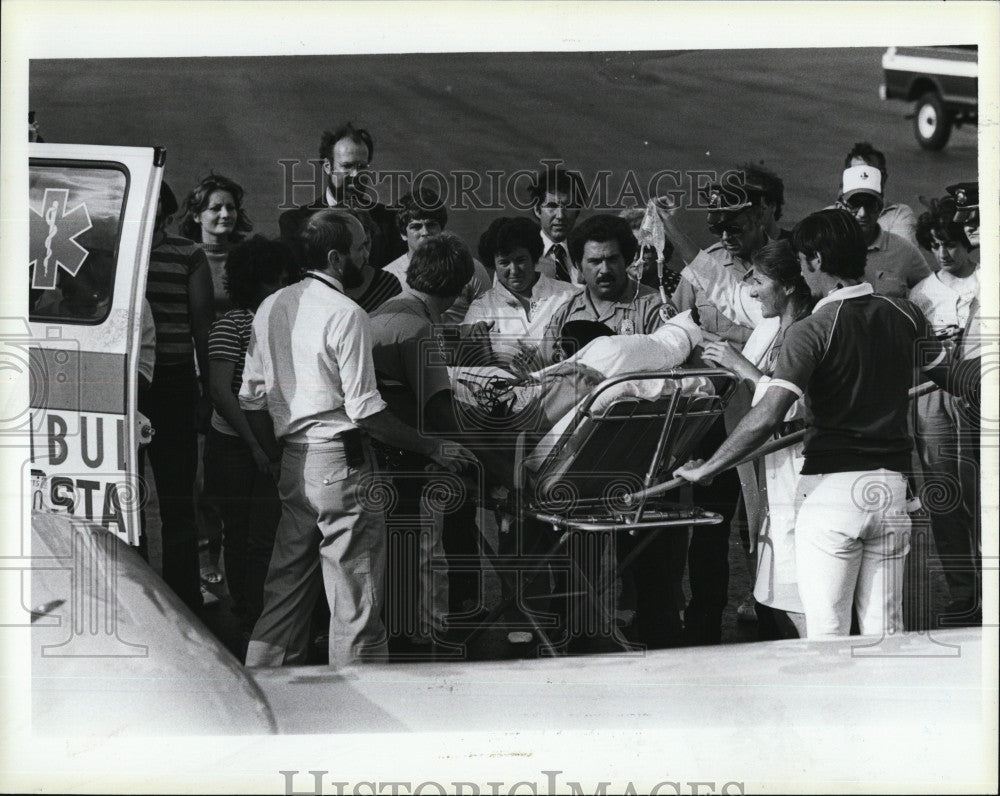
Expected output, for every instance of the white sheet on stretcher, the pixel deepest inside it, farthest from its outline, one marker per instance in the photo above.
(645, 389)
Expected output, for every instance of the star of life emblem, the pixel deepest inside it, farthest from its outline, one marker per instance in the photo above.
(627, 326)
(52, 238)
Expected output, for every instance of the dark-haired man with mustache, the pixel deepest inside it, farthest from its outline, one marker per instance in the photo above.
(602, 247)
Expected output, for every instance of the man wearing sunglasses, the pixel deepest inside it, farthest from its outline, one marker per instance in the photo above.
(894, 265)
(713, 281)
(895, 217)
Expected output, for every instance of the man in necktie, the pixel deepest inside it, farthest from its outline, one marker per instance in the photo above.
(558, 195)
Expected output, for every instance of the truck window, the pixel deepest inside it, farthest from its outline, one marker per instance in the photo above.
(75, 215)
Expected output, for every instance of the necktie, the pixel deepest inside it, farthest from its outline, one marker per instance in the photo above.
(558, 255)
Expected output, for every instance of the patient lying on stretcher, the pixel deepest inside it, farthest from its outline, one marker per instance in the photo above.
(541, 402)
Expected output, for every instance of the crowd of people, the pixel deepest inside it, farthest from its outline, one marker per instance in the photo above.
(319, 372)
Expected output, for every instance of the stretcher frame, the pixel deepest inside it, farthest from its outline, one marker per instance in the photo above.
(679, 421)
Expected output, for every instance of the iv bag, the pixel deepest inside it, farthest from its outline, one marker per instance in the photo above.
(651, 232)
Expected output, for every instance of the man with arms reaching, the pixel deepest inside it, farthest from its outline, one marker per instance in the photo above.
(853, 359)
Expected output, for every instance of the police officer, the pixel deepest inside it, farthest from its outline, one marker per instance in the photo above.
(966, 196)
(712, 282)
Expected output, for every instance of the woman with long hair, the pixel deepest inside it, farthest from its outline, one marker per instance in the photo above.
(769, 495)
(214, 218)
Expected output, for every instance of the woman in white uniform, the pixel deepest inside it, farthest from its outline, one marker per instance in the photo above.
(777, 283)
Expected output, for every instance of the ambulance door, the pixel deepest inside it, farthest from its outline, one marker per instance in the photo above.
(91, 216)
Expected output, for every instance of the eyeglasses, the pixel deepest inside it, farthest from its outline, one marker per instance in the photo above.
(870, 204)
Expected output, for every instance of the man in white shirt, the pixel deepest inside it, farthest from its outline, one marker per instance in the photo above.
(558, 195)
(948, 299)
(520, 305)
(421, 215)
(309, 382)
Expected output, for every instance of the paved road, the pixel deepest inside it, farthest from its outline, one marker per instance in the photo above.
(798, 111)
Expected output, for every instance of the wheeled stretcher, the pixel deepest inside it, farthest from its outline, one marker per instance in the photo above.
(628, 434)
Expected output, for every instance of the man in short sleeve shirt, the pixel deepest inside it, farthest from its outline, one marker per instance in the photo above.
(712, 282)
(604, 247)
(309, 382)
(413, 378)
(853, 359)
(893, 265)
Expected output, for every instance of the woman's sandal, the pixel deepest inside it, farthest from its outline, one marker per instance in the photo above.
(210, 575)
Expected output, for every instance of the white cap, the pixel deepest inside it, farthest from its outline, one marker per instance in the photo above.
(861, 179)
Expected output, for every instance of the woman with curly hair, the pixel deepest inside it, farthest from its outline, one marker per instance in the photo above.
(237, 470)
(215, 218)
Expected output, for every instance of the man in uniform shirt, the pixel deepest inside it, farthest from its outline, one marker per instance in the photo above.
(558, 195)
(603, 247)
(966, 196)
(713, 283)
(894, 265)
(853, 359)
(309, 382)
(345, 153)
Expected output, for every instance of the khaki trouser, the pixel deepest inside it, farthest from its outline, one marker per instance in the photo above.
(331, 534)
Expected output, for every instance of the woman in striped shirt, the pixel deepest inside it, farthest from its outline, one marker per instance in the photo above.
(237, 470)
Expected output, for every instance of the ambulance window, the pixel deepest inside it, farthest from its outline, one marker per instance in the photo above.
(75, 219)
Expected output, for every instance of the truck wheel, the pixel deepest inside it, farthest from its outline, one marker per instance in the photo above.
(931, 122)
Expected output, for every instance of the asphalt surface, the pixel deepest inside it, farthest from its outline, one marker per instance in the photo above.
(797, 111)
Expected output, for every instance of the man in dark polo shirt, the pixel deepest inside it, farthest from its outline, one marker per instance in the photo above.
(853, 359)
(420, 594)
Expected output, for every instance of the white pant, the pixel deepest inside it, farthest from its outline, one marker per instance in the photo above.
(852, 534)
